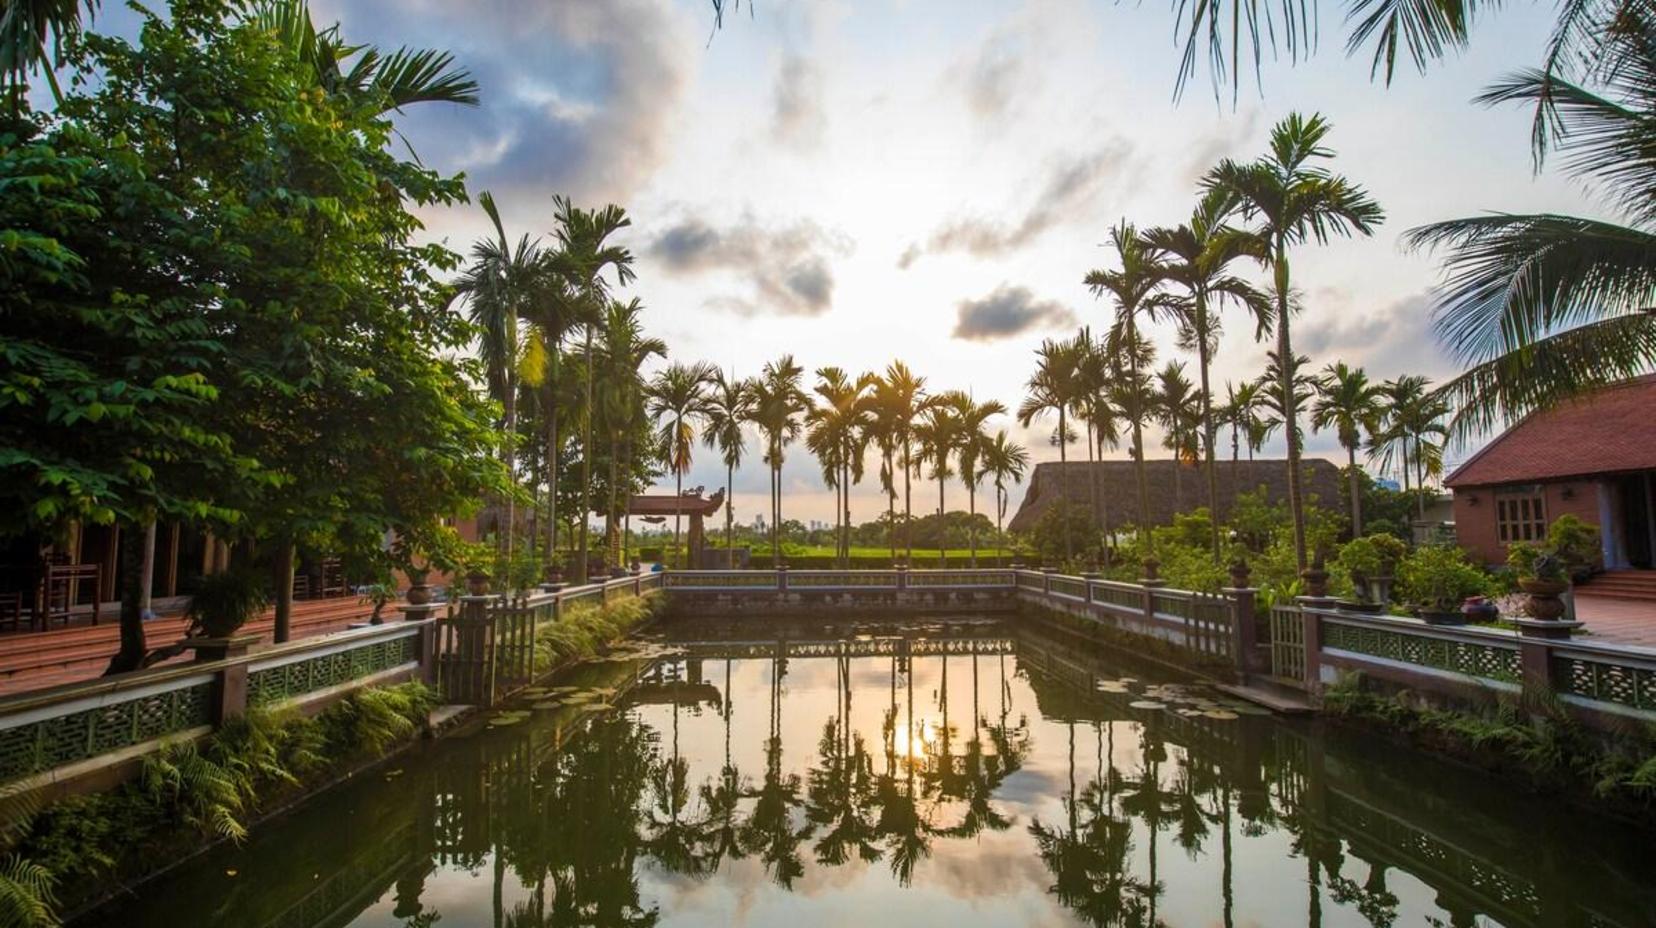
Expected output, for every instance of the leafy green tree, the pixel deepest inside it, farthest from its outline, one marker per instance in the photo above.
(1293, 199)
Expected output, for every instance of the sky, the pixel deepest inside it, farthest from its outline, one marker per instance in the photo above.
(853, 182)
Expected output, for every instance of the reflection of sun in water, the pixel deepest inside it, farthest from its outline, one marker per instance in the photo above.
(917, 744)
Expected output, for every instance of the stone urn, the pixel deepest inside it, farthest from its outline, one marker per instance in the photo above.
(477, 583)
(1152, 566)
(1316, 580)
(1240, 574)
(1544, 601)
(419, 594)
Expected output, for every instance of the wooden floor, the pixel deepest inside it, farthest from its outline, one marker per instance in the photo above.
(32, 660)
(1617, 621)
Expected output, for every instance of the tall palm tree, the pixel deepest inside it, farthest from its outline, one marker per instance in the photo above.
(1350, 405)
(837, 433)
(1095, 407)
(885, 431)
(1177, 407)
(973, 442)
(1004, 461)
(939, 435)
(678, 401)
(729, 408)
(1541, 307)
(1196, 258)
(1053, 388)
(1391, 442)
(1132, 286)
(552, 309)
(583, 239)
(905, 398)
(32, 35)
(1412, 432)
(497, 286)
(778, 401)
(622, 353)
(1293, 199)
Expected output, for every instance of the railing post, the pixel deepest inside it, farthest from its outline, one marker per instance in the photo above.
(782, 578)
(1046, 579)
(231, 691)
(426, 648)
(1244, 629)
(1087, 583)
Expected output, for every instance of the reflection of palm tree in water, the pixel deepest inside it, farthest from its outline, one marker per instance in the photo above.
(769, 829)
(675, 842)
(722, 800)
(841, 787)
(900, 821)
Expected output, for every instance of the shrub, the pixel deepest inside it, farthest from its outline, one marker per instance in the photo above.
(224, 602)
(1575, 542)
(1440, 578)
(584, 628)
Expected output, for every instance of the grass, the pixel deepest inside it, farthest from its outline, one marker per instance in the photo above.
(587, 627)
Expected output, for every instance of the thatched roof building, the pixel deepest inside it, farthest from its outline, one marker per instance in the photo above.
(1173, 487)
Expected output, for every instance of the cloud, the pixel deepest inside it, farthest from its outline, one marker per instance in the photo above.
(1067, 191)
(1006, 312)
(1391, 340)
(787, 268)
(579, 97)
(990, 79)
(798, 120)
(1225, 139)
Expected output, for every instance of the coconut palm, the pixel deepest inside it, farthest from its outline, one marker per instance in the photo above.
(938, 436)
(973, 441)
(1350, 405)
(1541, 307)
(1197, 257)
(1004, 461)
(1293, 199)
(32, 35)
(837, 433)
(729, 408)
(497, 286)
(778, 402)
(903, 399)
(1095, 407)
(622, 353)
(1132, 286)
(1054, 388)
(583, 240)
(1177, 407)
(1411, 432)
(678, 401)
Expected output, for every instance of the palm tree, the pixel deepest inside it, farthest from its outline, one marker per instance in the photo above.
(939, 436)
(1197, 258)
(1411, 432)
(1053, 388)
(678, 400)
(1132, 286)
(973, 442)
(837, 433)
(1095, 407)
(1390, 443)
(1178, 409)
(622, 353)
(1004, 461)
(778, 402)
(1541, 307)
(1350, 405)
(497, 286)
(885, 431)
(28, 29)
(582, 239)
(729, 408)
(373, 82)
(1294, 200)
(904, 400)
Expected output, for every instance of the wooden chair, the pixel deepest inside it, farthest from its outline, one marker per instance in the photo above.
(11, 609)
(333, 577)
(61, 584)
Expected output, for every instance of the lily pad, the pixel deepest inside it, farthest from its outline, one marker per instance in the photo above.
(1223, 714)
(508, 718)
(1147, 704)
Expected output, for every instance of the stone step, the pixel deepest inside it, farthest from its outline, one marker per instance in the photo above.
(1280, 699)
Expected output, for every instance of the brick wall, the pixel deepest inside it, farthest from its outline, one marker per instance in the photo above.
(1475, 514)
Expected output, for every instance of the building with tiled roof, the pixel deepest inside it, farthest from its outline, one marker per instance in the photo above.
(1593, 457)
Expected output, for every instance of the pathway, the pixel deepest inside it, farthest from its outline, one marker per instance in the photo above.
(1617, 621)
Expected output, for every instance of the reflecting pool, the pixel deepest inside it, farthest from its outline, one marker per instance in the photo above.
(949, 773)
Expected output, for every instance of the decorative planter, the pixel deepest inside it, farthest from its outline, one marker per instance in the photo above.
(217, 649)
(419, 594)
(1380, 588)
(1240, 575)
(1359, 606)
(1316, 581)
(477, 583)
(1439, 617)
(1151, 568)
(1544, 604)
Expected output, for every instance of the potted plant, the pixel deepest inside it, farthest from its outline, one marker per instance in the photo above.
(1542, 575)
(419, 591)
(1392, 550)
(221, 605)
(1316, 578)
(1438, 580)
(379, 594)
(1361, 559)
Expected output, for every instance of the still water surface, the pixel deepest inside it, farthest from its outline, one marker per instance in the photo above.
(956, 774)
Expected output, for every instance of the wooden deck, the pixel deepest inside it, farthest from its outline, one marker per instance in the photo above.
(32, 660)
(1617, 621)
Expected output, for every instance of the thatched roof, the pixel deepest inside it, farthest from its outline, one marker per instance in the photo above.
(1173, 487)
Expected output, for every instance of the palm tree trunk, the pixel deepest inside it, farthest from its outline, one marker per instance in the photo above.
(1092, 475)
(586, 469)
(891, 503)
(1290, 405)
(511, 466)
(678, 493)
(1208, 430)
(1063, 484)
(551, 486)
(1356, 498)
(908, 506)
(1104, 508)
(971, 522)
(1143, 486)
(942, 522)
(730, 510)
(1420, 480)
(612, 513)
